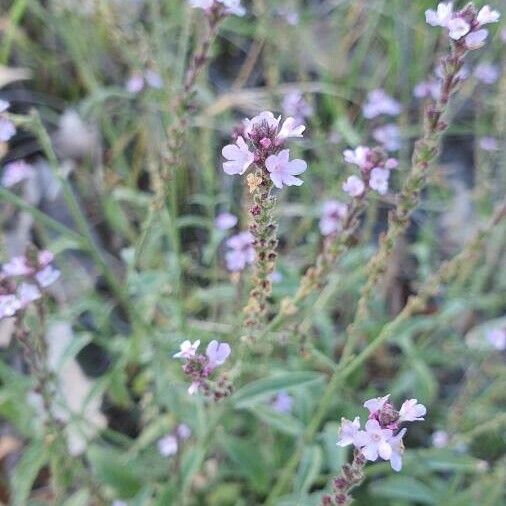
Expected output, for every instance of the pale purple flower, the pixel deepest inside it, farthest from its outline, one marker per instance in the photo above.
(348, 432)
(373, 442)
(295, 105)
(7, 128)
(360, 156)
(238, 156)
(9, 304)
(118, 502)
(224, 221)
(440, 439)
(201, 4)
(290, 128)
(282, 171)
(388, 136)
(425, 89)
(183, 431)
(379, 180)
(397, 450)
(486, 73)
(233, 7)
(378, 102)
(487, 15)
(167, 446)
(135, 83)
(332, 216)
(47, 276)
(497, 338)
(354, 186)
(282, 403)
(194, 387)
(391, 163)
(241, 251)
(476, 39)
(187, 349)
(153, 79)
(4, 105)
(441, 16)
(411, 411)
(28, 293)
(264, 118)
(376, 404)
(17, 266)
(457, 28)
(217, 353)
(15, 172)
(275, 277)
(488, 144)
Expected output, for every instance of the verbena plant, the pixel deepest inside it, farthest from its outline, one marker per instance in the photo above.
(180, 328)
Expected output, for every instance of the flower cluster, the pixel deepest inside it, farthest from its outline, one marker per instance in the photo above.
(169, 444)
(333, 214)
(487, 73)
(294, 105)
(380, 439)
(389, 136)
(375, 167)
(240, 251)
(465, 26)
(266, 138)
(378, 102)
(219, 7)
(16, 172)
(7, 128)
(198, 367)
(139, 80)
(431, 88)
(22, 280)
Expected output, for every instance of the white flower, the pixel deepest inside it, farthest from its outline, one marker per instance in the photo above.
(348, 431)
(376, 404)
(167, 446)
(194, 387)
(188, 349)
(397, 450)
(379, 180)
(354, 186)
(358, 156)
(233, 7)
(374, 441)
(441, 16)
(289, 128)
(238, 156)
(487, 15)
(9, 304)
(458, 27)
(411, 411)
(201, 4)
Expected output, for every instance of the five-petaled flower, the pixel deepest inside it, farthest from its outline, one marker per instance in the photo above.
(282, 171)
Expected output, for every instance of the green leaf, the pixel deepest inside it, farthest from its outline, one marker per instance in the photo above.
(281, 422)
(403, 487)
(110, 468)
(33, 459)
(309, 468)
(441, 459)
(260, 390)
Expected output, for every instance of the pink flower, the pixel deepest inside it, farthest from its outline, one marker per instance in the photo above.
(379, 180)
(359, 156)
(440, 439)
(475, 40)
(411, 411)
(167, 446)
(15, 172)
(224, 221)
(497, 338)
(290, 128)
(378, 102)
(354, 186)
(441, 16)
(47, 276)
(376, 404)
(241, 251)
(388, 136)
(488, 144)
(187, 349)
(374, 441)
(487, 15)
(282, 171)
(486, 73)
(238, 156)
(28, 293)
(348, 431)
(397, 450)
(458, 27)
(135, 83)
(282, 402)
(333, 214)
(217, 353)
(9, 304)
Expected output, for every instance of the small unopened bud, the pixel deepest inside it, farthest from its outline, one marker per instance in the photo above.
(265, 143)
